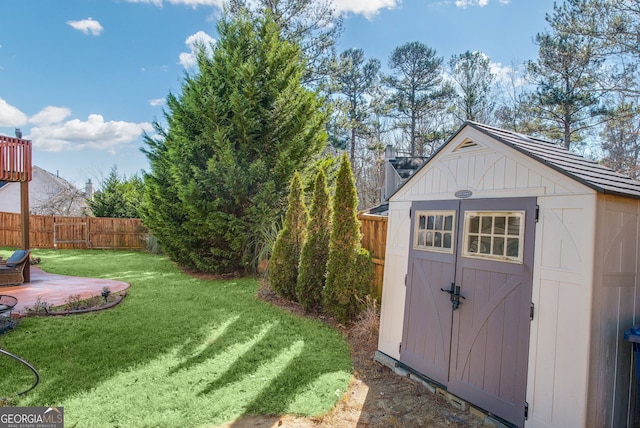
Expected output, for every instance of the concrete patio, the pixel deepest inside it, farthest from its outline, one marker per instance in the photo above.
(55, 289)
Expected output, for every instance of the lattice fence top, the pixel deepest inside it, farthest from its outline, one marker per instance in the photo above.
(15, 159)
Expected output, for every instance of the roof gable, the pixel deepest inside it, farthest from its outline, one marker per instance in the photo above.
(575, 167)
(590, 173)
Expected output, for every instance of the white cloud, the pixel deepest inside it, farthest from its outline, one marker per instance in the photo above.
(193, 42)
(87, 26)
(368, 8)
(465, 3)
(156, 102)
(155, 2)
(192, 3)
(94, 133)
(508, 75)
(50, 115)
(196, 3)
(10, 115)
(482, 3)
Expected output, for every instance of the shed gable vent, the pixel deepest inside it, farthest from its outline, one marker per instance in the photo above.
(466, 145)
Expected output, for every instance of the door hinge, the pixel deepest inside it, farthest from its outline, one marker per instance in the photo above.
(526, 410)
(537, 213)
(399, 347)
(405, 280)
(410, 212)
(531, 311)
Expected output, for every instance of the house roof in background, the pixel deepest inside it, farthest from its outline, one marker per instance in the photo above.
(406, 166)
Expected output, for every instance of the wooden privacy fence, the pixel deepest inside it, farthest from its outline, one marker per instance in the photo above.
(374, 239)
(129, 233)
(74, 232)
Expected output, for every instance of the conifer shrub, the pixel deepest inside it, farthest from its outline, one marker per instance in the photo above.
(315, 252)
(235, 132)
(349, 268)
(285, 256)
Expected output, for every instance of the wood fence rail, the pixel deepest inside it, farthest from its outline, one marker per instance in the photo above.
(374, 239)
(130, 233)
(74, 232)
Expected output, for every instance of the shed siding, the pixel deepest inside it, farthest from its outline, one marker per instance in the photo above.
(614, 306)
(393, 293)
(560, 337)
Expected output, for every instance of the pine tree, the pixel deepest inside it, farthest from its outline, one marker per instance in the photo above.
(349, 268)
(315, 253)
(285, 258)
(237, 132)
(118, 196)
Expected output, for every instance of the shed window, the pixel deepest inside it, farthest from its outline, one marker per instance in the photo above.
(434, 231)
(496, 235)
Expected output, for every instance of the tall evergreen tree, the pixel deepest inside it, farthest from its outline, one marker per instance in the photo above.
(349, 268)
(285, 258)
(471, 72)
(240, 128)
(354, 79)
(416, 81)
(315, 252)
(612, 27)
(567, 96)
(620, 138)
(118, 197)
(313, 24)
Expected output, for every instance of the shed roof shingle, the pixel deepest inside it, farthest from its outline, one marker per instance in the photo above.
(590, 173)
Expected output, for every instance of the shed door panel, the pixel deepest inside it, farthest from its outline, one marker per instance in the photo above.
(479, 351)
(490, 332)
(427, 318)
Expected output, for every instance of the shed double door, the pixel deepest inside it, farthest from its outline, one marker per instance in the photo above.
(468, 300)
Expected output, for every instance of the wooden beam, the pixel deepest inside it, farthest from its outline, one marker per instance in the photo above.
(24, 211)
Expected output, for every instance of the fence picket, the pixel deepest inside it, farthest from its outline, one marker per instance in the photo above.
(74, 232)
(374, 239)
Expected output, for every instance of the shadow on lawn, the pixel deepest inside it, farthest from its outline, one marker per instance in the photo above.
(167, 312)
(275, 339)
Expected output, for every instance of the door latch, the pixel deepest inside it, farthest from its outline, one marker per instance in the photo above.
(454, 295)
(455, 298)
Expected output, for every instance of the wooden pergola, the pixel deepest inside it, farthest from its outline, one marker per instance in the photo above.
(16, 166)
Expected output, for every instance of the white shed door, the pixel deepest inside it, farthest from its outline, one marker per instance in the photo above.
(468, 300)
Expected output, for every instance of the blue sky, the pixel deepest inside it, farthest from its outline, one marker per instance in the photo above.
(84, 78)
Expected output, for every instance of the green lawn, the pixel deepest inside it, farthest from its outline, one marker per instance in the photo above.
(177, 351)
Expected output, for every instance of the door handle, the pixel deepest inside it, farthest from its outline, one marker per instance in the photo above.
(451, 290)
(455, 298)
(455, 295)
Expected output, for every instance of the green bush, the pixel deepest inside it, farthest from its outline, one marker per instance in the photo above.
(235, 132)
(349, 268)
(315, 252)
(285, 258)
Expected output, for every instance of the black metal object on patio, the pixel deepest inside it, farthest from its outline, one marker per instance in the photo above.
(7, 303)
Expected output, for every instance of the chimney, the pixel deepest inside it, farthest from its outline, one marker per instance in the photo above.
(389, 152)
(88, 190)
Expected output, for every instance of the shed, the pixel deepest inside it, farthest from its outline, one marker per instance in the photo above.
(511, 274)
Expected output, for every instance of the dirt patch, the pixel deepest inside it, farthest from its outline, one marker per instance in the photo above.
(376, 397)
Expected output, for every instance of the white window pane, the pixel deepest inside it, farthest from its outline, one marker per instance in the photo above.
(446, 240)
(513, 247)
(514, 226)
(448, 222)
